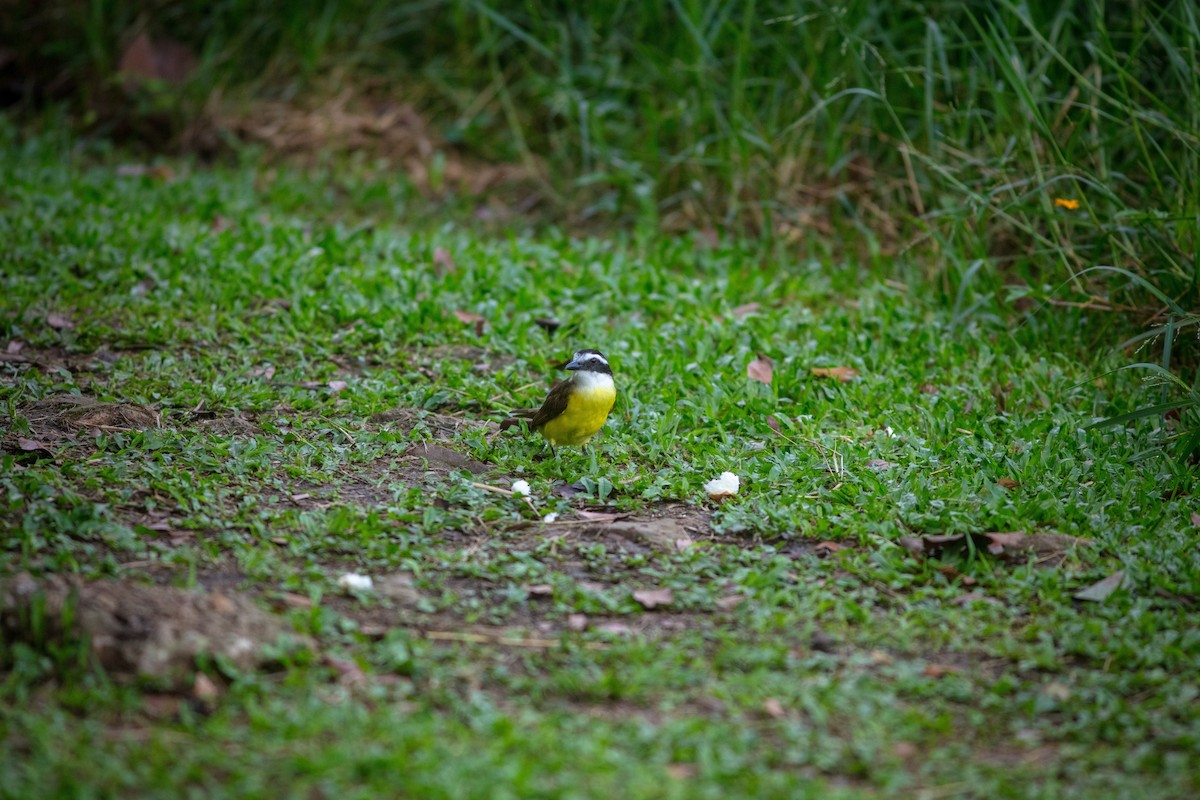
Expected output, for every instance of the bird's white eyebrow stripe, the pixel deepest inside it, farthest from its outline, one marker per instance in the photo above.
(594, 357)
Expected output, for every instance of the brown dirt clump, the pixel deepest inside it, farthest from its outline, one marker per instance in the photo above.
(138, 630)
(63, 415)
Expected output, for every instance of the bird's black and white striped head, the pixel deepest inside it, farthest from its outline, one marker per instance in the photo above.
(589, 361)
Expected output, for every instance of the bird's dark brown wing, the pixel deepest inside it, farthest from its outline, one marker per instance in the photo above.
(553, 406)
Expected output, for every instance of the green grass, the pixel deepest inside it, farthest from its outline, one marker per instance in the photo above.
(1046, 696)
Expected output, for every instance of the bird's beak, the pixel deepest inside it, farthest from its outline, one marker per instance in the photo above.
(572, 365)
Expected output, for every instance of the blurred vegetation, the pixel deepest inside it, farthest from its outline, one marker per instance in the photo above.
(1018, 146)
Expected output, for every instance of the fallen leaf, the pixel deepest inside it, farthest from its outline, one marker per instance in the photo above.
(15, 346)
(773, 708)
(972, 597)
(681, 772)
(349, 673)
(1057, 691)
(1196, 519)
(468, 317)
(293, 600)
(164, 60)
(266, 373)
(577, 622)
(772, 423)
(59, 321)
(748, 308)
(203, 688)
(540, 590)
(547, 324)
(653, 598)
(843, 374)
(616, 628)
(729, 602)
(1099, 591)
(1007, 483)
(302, 496)
(904, 750)
(879, 465)
(599, 516)
(471, 318)
(938, 670)
(337, 386)
(825, 548)
(31, 445)
(443, 260)
(760, 369)
(880, 658)
(220, 224)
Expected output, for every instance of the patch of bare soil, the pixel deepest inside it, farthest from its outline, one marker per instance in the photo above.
(139, 630)
(358, 120)
(441, 426)
(59, 418)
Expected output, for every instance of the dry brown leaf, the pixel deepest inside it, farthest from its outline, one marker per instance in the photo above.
(14, 347)
(1196, 519)
(203, 688)
(928, 388)
(221, 224)
(653, 598)
(729, 602)
(443, 261)
(880, 658)
(1008, 483)
(972, 597)
(293, 600)
(748, 308)
(469, 317)
(266, 373)
(843, 374)
(682, 772)
(599, 516)
(540, 590)
(905, 751)
(1099, 591)
(577, 622)
(825, 548)
(31, 445)
(879, 465)
(760, 369)
(616, 628)
(349, 673)
(773, 708)
(337, 386)
(772, 423)
(165, 60)
(938, 670)
(59, 321)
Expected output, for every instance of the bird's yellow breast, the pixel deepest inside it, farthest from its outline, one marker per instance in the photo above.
(587, 410)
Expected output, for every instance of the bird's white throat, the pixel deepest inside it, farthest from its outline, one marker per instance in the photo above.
(589, 381)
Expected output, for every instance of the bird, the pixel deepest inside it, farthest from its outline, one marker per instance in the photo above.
(576, 409)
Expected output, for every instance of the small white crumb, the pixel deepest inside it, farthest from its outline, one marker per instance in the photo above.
(725, 486)
(553, 515)
(354, 582)
(891, 434)
(522, 488)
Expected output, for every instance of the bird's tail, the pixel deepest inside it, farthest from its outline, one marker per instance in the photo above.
(517, 416)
